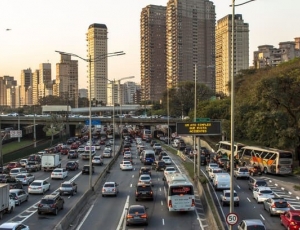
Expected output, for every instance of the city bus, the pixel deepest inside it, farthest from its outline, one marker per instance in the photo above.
(224, 148)
(179, 193)
(270, 160)
(146, 134)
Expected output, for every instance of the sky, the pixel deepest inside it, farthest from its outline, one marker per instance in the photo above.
(39, 27)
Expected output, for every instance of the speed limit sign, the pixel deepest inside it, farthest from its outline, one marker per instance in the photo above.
(231, 218)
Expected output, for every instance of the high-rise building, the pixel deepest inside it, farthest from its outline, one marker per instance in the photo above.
(224, 51)
(67, 79)
(35, 87)
(45, 83)
(82, 93)
(26, 82)
(130, 89)
(6, 83)
(113, 93)
(153, 52)
(190, 42)
(97, 51)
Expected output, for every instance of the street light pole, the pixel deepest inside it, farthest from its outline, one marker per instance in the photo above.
(113, 102)
(195, 117)
(90, 60)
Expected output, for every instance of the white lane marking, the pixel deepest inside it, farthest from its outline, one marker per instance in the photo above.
(262, 216)
(160, 189)
(123, 213)
(163, 222)
(84, 218)
(162, 203)
(248, 199)
(130, 185)
(132, 176)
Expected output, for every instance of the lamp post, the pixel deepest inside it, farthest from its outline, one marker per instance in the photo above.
(90, 60)
(231, 209)
(168, 109)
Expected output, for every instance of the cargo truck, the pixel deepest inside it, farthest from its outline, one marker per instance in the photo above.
(51, 161)
(7, 204)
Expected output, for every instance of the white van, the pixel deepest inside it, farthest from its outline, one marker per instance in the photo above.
(221, 181)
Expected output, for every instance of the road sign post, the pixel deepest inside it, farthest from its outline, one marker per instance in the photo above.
(232, 218)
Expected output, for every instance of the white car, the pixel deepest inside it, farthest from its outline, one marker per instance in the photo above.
(126, 165)
(169, 170)
(213, 171)
(97, 160)
(111, 141)
(145, 179)
(25, 178)
(167, 160)
(260, 194)
(211, 165)
(15, 171)
(127, 154)
(14, 226)
(59, 173)
(23, 162)
(38, 186)
(107, 153)
(110, 188)
(97, 146)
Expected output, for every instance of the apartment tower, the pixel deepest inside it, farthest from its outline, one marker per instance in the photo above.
(223, 50)
(35, 87)
(45, 83)
(67, 79)
(97, 51)
(190, 42)
(153, 52)
(26, 83)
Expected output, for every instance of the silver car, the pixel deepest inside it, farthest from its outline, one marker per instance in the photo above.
(18, 195)
(276, 206)
(110, 189)
(25, 178)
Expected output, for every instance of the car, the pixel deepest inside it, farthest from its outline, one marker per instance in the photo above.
(181, 146)
(25, 178)
(107, 153)
(127, 144)
(187, 149)
(262, 193)
(276, 206)
(33, 166)
(72, 165)
(136, 214)
(145, 179)
(23, 162)
(34, 158)
(59, 173)
(162, 154)
(86, 169)
(169, 170)
(153, 142)
(64, 150)
(51, 204)
(222, 162)
(12, 165)
(97, 146)
(127, 154)
(74, 145)
(110, 189)
(212, 172)
(68, 187)
(97, 160)
(6, 178)
(167, 160)
(111, 141)
(291, 219)
(72, 154)
(13, 226)
(251, 224)
(159, 165)
(143, 191)
(156, 146)
(255, 182)
(126, 165)
(225, 198)
(145, 170)
(211, 165)
(19, 195)
(15, 171)
(39, 186)
(102, 142)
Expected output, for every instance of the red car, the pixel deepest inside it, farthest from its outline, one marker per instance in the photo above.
(12, 165)
(291, 219)
(74, 145)
(102, 142)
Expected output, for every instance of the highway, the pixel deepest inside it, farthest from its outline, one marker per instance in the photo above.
(106, 212)
(27, 211)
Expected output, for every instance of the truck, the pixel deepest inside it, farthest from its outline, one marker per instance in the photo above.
(241, 172)
(50, 162)
(7, 204)
(33, 166)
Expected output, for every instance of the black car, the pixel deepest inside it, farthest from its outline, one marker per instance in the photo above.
(51, 204)
(162, 154)
(152, 142)
(203, 160)
(159, 165)
(72, 165)
(187, 150)
(181, 146)
(143, 191)
(136, 214)
(86, 169)
(127, 144)
(145, 170)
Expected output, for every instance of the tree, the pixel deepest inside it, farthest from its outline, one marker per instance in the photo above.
(54, 125)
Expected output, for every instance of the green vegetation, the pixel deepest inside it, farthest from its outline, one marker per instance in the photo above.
(13, 146)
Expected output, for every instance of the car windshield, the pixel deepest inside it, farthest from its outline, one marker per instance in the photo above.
(46, 201)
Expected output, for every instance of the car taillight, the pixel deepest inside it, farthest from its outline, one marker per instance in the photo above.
(293, 223)
(40, 205)
(129, 216)
(151, 192)
(144, 216)
(170, 203)
(53, 206)
(113, 189)
(103, 190)
(273, 206)
(16, 198)
(193, 202)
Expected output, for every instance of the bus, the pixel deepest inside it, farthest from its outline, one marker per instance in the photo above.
(270, 160)
(224, 149)
(146, 134)
(179, 193)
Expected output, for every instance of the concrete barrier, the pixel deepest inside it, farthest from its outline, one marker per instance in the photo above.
(181, 155)
(73, 213)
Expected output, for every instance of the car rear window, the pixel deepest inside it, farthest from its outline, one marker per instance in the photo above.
(143, 188)
(282, 204)
(66, 185)
(47, 201)
(161, 163)
(296, 217)
(243, 170)
(136, 210)
(35, 184)
(261, 183)
(20, 176)
(109, 185)
(256, 227)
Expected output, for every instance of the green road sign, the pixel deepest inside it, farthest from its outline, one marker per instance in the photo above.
(202, 120)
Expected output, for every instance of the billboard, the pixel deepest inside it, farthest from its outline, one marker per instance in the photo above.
(199, 128)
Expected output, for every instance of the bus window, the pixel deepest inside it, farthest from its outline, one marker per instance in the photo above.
(285, 155)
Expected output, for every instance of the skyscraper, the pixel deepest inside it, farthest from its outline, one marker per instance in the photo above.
(97, 52)
(35, 88)
(45, 84)
(190, 42)
(153, 52)
(67, 79)
(223, 50)
(26, 82)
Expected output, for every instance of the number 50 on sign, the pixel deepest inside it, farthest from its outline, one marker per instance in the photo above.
(231, 218)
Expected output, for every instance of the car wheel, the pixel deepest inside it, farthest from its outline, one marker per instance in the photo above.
(11, 210)
(223, 204)
(27, 198)
(136, 199)
(60, 193)
(257, 200)
(43, 192)
(102, 195)
(62, 207)
(39, 212)
(72, 193)
(270, 212)
(127, 224)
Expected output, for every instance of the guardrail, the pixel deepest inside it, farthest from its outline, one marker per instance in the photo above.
(77, 208)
